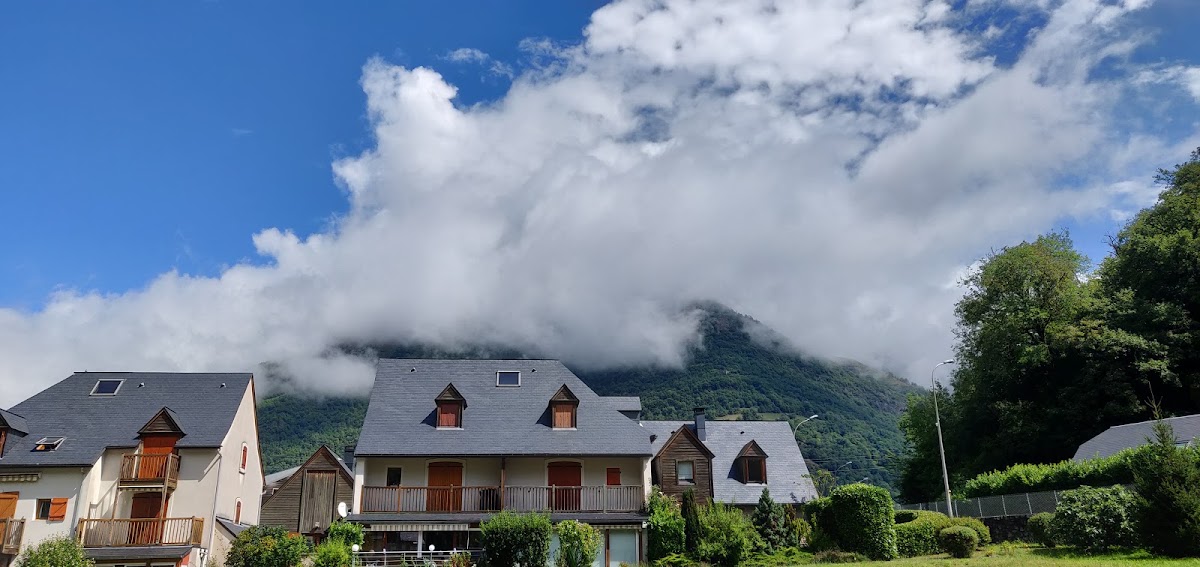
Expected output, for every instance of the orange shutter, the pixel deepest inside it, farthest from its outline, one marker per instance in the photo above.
(564, 416)
(614, 477)
(245, 456)
(448, 415)
(58, 509)
(8, 505)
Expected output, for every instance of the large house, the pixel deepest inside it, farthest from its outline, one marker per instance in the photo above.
(448, 443)
(1120, 437)
(145, 469)
(729, 461)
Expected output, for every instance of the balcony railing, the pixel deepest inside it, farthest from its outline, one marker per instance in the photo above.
(125, 532)
(10, 536)
(495, 498)
(147, 469)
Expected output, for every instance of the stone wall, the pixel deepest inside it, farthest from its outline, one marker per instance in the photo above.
(1008, 528)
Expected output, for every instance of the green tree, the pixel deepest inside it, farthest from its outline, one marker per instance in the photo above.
(1167, 482)
(726, 537)
(266, 546)
(578, 544)
(55, 552)
(664, 527)
(331, 553)
(822, 480)
(692, 533)
(771, 521)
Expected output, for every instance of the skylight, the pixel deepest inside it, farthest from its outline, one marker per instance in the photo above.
(106, 387)
(48, 444)
(508, 378)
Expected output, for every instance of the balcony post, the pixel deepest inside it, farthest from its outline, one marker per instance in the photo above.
(503, 470)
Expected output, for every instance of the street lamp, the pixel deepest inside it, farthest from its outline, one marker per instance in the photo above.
(797, 428)
(937, 420)
(843, 465)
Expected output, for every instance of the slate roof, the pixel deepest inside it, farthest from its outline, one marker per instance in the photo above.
(151, 552)
(1119, 437)
(91, 424)
(231, 526)
(498, 421)
(786, 469)
(14, 422)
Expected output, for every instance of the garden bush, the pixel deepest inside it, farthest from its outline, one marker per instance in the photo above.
(863, 518)
(516, 539)
(1095, 519)
(55, 552)
(985, 534)
(331, 553)
(1167, 479)
(727, 536)
(1039, 527)
(664, 527)
(674, 560)
(838, 556)
(578, 544)
(771, 521)
(266, 546)
(959, 541)
(920, 536)
(346, 532)
(1107, 471)
(820, 517)
(796, 525)
(905, 516)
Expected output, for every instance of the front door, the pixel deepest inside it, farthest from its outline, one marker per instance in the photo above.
(445, 487)
(565, 479)
(145, 527)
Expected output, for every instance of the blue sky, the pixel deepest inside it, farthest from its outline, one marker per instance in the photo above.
(208, 185)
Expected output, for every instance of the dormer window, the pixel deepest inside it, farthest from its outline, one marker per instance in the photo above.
(106, 387)
(46, 444)
(563, 409)
(752, 461)
(510, 378)
(450, 406)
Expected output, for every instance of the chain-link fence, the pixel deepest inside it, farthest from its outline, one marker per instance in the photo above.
(1026, 504)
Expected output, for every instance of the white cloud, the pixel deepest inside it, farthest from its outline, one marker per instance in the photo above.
(824, 166)
(475, 56)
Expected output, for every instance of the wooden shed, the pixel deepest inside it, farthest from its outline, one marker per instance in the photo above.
(307, 501)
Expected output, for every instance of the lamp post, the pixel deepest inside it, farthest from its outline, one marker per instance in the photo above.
(797, 428)
(937, 420)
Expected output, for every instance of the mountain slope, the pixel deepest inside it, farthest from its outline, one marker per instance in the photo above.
(737, 369)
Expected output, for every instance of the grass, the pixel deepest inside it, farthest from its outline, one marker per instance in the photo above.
(1009, 555)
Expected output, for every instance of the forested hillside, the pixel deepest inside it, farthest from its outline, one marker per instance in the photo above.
(729, 373)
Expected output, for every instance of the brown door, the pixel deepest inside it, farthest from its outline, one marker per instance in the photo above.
(8, 505)
(445, 487)
(155, 451)
(145, 529)
(565, 478)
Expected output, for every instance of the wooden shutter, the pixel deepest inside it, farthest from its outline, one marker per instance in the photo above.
(448, 415)
(8, 505)
(58, 509)
(613, 477)
(316, 500)
(245, 456)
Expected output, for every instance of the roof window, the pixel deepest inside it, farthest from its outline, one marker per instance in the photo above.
(508, 378)
(47, 444)
(106, 387)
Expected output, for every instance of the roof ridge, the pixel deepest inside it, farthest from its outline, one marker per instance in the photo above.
(1155, 420)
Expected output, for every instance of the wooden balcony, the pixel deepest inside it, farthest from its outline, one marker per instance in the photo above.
(10, 536)
(149, 471)
(495, 498)
(125, 532)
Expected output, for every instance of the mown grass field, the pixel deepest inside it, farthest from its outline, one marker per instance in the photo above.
(1014, 556)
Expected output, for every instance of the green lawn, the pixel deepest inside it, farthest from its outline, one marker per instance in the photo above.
(1011, 555)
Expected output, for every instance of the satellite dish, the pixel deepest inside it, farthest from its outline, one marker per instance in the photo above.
(342, 509)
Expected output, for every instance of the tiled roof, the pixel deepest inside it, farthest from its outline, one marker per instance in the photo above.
(203, 405)
(786, 470)
(1119, 437)
(499, 420)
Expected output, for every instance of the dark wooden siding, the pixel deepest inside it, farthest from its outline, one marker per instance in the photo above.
(284, 508)
(681, 448)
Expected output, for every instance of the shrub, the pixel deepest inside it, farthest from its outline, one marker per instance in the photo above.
(664, 527)
(982, 531)
(920, 536)
(786, 557)
(1094, 519)
(266, 546)
(674, 560)
(726, 536)
(577, 544)
(55, 552)
(346, 532)
(460, 559)
(959, 541)
(824, 532)
(1167, 479)
(691, 522)
(905, 516)
(510, 539)
(771, 521)
(862, 515)
(837, 556)
(331, 553)
(1039, 528)
(801, 531)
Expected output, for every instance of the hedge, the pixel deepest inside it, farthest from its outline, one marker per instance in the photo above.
(863, 520)
(1039, 526)
(1095, 519)
(516, 539)
(976, 525)
(920, 536)
(1065, 475)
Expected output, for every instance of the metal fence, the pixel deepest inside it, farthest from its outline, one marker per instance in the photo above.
(409, 558)
(1026, 504)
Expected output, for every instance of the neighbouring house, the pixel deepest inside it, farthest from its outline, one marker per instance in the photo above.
(729, 461)
(305, 499)
(446, 444)
(144, 469)
(1120, 437)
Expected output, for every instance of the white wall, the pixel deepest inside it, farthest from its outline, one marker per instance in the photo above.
(237, 483)
(53, 483)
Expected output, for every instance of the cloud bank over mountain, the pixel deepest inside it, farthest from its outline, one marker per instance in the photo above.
(829, 167)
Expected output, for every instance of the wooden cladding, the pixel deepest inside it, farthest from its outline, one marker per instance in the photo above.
(316, 500)
(10, 535)
(564, 415)
(123, 532)
(449, 414)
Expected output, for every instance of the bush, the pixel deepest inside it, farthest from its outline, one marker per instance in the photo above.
(1094, 519)
(55, 552)
(1040, 528)
(674, 560)
(905, 516)
(266, 546)
(771, 521)
(920, 536)
(800, 529)
(346, 532)
(460, 559)
(1116, 469)
(862, 516)
(837, 556)
(516, 539)
(727, 536)
(577, 544)
(982, 531)
(664, 527)
(691, 522)
(331, 553)
(824, 532)
(959, 541)
(1167, 479)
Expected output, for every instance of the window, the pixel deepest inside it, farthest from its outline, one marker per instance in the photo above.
(613, 477)
(393, 476)
(684, 472)
(508, 378)
(237, 511)
(42, 511)
(245, 457)
(106, 387)
(564, 416)
(48, 444)
(754, 470)
(449, 414)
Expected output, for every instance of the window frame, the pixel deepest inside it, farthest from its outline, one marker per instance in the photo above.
(572, 408)
(387, 475)
(690, 481)
(120, 382)
(37, 509)
(48, 443)
(499, 372)
(762, 468)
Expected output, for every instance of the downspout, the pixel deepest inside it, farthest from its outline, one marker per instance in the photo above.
(212, 532)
